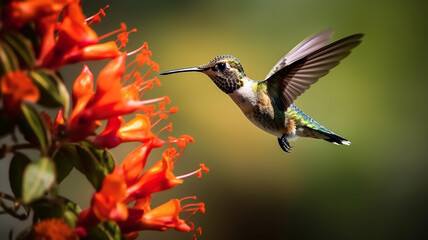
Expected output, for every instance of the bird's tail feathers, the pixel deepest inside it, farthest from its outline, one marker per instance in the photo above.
(334, 138)
(325, 134)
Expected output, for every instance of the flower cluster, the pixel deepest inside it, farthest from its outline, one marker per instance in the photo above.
(128, 184)
(69, 41)
(38, 37)
(125, 185)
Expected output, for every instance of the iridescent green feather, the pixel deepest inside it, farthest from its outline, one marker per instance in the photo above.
(293, 112)
(301, 119)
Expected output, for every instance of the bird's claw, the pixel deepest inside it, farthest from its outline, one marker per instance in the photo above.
(283, 143)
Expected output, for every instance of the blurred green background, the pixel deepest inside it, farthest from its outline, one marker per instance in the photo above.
(377, 188)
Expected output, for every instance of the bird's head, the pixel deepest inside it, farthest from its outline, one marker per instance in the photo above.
(225, 71)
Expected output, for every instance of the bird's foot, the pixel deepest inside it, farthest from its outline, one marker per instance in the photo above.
(283, 143)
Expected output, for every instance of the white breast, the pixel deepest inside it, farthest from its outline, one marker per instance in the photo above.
(246, 99)
(245, 96)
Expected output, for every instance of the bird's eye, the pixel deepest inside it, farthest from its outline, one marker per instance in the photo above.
(221, 66)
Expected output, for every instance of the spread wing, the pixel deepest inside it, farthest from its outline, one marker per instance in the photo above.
(307, 46)
(305, 64)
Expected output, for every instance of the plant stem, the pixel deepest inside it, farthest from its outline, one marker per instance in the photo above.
(13, 211)
(5, 149)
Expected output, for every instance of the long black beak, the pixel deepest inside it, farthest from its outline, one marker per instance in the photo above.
(192, 69)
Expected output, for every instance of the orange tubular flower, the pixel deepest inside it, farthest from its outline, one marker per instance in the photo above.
(81, 94)
(92, 53)
(110, 101)
(70, 41)
(164, 217)
(108, 137)
(18, 13)
(138, 129)
(16, 87)
(108, 202)
(135, 162)
(126, 184)
(161, 218)
(73, 30)
(54, 126)
(65, 36)
(156, 179)
(83, 87)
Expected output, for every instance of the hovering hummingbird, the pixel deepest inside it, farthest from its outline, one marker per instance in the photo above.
(268, 103)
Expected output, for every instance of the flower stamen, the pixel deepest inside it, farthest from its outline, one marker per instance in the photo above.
(189, 174)
(194, 208)
(109, 34)
(135, 51)
(168, 127)
(154, 100)
(123, 36)
(198, 172)
(96, 17)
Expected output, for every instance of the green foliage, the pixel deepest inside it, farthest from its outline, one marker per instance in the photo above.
(53, 92)
(16, 172)
(48, 208)
(21, 46)
(71, 212)
(64, 162)
(94, 163)
(105, 230)
(33, 128)
(34, 183)
(8, 58)
(38, 178)
(58, 207)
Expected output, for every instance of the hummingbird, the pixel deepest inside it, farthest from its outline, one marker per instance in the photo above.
(268, 103)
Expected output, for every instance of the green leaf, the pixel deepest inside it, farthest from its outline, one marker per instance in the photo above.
(22, 46)
(16, 172)
(33, 128)
(48, 208)
(38, 178)
(63, 92)
(8, 59)
(104, 157)
(71, 213)
(95, 164)
(53, 91)
(105, 230)
(59, 207)
(63, 160)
